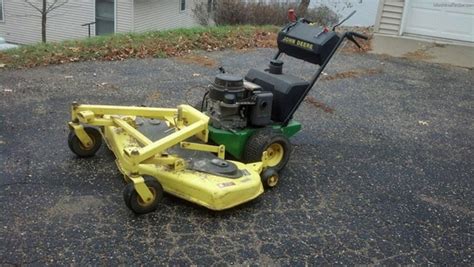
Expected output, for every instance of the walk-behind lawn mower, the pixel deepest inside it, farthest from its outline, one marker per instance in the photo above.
(183, 150)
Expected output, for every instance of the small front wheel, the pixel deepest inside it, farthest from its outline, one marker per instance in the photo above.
(135, 202)
(269, 178)
(85, 151)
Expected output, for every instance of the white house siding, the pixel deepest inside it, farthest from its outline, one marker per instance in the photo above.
(18, 25)
(2, 29)
(65, 22)
(124, 16)
(23, 25)
(161, 15)
(389, 17)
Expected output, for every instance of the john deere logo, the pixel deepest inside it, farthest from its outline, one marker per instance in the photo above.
(298, 43)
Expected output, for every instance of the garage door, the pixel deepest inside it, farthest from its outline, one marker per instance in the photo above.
(451, 19)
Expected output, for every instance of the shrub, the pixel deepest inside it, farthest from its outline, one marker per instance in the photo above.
(235, 12)
(202, 11)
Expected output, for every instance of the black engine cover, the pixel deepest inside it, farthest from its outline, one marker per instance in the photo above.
(307, 42)
(287, 89)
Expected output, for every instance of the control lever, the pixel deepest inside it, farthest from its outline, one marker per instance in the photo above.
(361, 36)
(351, 38)
(344, 20)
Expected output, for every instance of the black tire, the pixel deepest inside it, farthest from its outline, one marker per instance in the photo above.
(76, 146)
(271, 141)
(270, 178)
(136, 204)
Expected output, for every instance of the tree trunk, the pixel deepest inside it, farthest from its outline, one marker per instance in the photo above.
(302, 8)
(44, 13)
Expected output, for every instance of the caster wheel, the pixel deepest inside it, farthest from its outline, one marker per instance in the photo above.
(269, 178)
(79, 149)
(135, 202)
(277, 146)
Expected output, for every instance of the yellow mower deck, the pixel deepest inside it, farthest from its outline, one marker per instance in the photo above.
(138, 156)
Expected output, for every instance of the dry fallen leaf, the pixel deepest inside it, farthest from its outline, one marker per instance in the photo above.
(74, 49)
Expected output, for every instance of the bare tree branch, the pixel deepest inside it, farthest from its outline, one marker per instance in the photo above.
(32, 5)
(47, 6)
(53, 7)
(50, 5)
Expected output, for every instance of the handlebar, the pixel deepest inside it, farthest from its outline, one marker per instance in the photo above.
(351, 35)
(359, 35)
(348, 35)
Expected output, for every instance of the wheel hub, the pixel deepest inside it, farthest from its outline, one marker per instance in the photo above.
(273, 180)
(142, 203)
(88, 146)
(275, 154)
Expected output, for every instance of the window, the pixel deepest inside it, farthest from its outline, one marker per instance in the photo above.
(104, 17)
(182, 5)
(1, 10)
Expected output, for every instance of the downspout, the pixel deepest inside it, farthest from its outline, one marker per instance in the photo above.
(404, 15)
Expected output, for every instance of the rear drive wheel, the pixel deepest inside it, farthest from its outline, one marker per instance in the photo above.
(276, 145)
(136, 203)
(79, 149)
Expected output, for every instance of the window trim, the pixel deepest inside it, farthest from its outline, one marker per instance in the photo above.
(180, 2)
(2, 14)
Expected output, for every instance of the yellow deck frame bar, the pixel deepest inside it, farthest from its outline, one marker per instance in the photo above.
(186, 120)
(132, 131)
(138, 156)
(147, 112)
(219, 150)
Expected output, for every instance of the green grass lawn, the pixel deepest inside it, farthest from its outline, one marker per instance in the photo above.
(140, 45)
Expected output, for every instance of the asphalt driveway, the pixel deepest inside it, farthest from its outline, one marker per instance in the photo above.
(382, 172)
